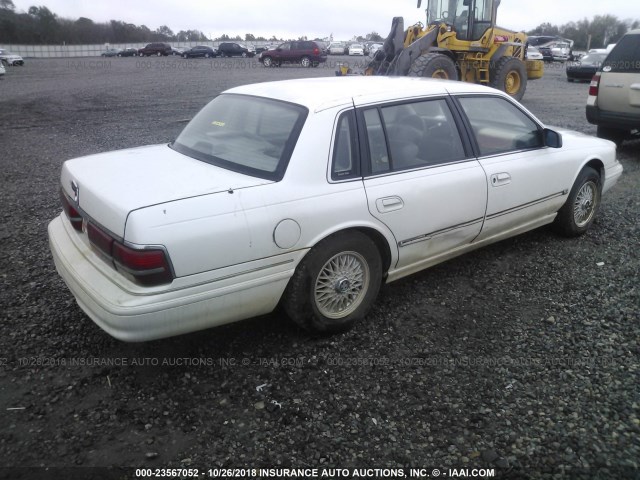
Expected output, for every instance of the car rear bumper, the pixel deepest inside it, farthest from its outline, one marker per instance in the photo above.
(135, 317)
(625, 121)
(581, 74)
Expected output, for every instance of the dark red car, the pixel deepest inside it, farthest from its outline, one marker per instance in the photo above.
(155, 49)
(306, 53)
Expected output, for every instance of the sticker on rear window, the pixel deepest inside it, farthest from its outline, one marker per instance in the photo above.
(218, 124)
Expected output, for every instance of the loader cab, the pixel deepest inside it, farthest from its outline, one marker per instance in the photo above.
(469, 18)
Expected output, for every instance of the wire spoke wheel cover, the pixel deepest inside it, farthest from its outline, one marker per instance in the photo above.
(577, 214)
(335, 284)
(584, 205)
(341, 285)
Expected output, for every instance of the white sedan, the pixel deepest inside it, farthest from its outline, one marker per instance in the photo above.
(356, 49)
(312, 193)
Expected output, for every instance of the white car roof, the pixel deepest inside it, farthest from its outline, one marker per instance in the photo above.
(320, 93)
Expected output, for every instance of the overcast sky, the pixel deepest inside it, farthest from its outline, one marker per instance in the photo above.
(295, 18)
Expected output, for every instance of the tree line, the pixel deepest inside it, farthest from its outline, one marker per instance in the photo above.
(596, 33)
(39, 25)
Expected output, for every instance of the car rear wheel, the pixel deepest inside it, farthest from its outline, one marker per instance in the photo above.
(159, 54)
(244, 54)
(577, 214)
(207, 55)
(266, 61)
(335, 284)
(306, 62)
(141, 54)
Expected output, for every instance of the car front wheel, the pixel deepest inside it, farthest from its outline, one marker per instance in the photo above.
(335, 284)
(266, 61)
(577, 214)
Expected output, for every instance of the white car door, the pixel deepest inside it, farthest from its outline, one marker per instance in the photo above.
(527, 181)
(419, 179)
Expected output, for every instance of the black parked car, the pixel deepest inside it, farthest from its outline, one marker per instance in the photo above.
(228, 49)
(128, 52)
(155, 49)
(200, 51)
(586, 67)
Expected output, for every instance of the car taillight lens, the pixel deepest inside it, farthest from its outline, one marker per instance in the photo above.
(148, 267)
(99, 239)
(72, 214)
(316, 51)
(594, 85)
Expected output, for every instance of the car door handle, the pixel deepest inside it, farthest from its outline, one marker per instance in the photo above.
(389, 204)
(499, 179)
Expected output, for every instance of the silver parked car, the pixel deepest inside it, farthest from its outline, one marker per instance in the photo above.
(9, 59)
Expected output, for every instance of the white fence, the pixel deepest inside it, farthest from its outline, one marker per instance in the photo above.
(65, 51)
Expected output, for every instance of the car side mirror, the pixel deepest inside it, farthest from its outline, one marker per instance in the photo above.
(552, 138)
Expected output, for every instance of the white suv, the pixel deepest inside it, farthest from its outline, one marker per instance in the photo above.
(614, 95)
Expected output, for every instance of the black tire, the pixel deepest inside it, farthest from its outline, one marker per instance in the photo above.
(244, 54)
(509, 74)
(267, 62)
(305, 62)
(617, 136)
(207, 55)
(184, 55)
(434, 65)
(335, 284)
(577, 214)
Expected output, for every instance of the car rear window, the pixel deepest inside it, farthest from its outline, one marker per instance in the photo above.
(247, 134)
(625, 56)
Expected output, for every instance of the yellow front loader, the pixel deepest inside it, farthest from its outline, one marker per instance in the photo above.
(460, 42)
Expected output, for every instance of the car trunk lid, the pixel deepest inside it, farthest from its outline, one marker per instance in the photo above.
(108, 186)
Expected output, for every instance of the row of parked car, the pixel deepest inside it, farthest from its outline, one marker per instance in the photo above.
(234, 49)
(226, 49)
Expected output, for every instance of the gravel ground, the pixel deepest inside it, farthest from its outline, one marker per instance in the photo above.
(523, 357)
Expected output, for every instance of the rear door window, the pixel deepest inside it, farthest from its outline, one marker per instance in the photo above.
(625, 56)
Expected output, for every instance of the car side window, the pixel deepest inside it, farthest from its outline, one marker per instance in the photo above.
(412, 135)
(345, 158)
(499, 126)
(285, 46)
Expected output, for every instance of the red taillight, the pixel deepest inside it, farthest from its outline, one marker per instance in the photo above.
(101, 240)
(74, 216)
(594, 85)
(146, 267)
(316, 51)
